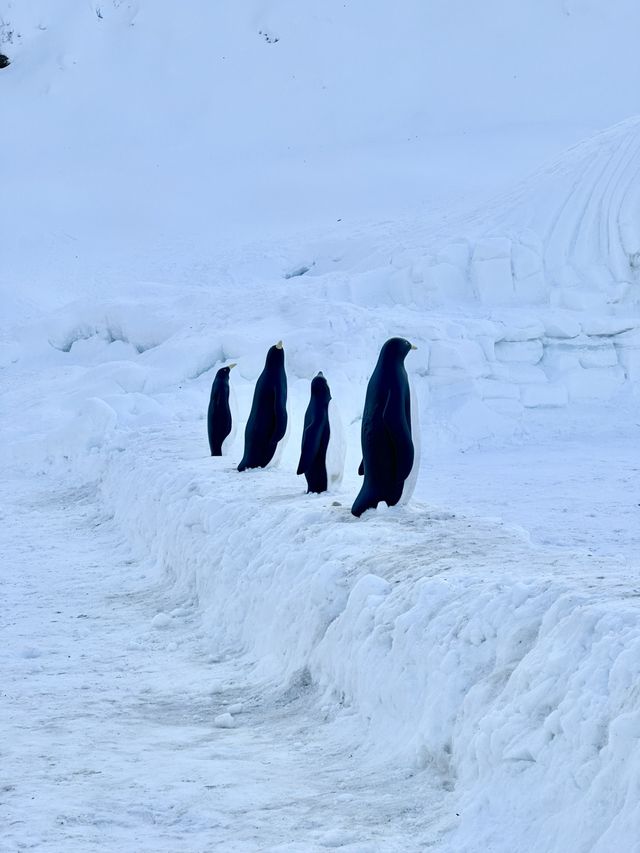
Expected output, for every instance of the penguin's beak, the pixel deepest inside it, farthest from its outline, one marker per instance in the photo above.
(230, 366)
(279, 345)
(413, 346)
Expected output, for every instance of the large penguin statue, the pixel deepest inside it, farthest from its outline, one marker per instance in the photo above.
(387, 447)
(267, 422)
(315, 438)
(220, 422)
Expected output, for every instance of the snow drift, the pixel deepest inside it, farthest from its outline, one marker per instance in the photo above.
(453, 640)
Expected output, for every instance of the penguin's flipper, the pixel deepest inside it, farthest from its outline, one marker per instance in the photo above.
(361, 468)
(399, 429)
(311, 438)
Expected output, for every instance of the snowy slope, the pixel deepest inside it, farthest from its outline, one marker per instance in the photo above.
(141, 138)
(190, 184)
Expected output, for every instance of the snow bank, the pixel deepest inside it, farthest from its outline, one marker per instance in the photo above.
(455, 642)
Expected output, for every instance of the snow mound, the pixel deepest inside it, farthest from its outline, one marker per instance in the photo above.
(584, 211)
(224, 721)
(532, 303)
(567, 238)
(507, 674)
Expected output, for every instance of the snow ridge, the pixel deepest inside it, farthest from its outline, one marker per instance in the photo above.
(480, 670)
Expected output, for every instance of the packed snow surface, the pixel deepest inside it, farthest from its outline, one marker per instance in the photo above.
(195, 658)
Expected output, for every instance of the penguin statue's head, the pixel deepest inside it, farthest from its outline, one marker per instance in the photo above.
(320, 388)
(223, 373)
(396, 349)
(275, 357)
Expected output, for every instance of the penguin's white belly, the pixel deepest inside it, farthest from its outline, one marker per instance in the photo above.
(337, 448)
(281, 444)
(412, 479)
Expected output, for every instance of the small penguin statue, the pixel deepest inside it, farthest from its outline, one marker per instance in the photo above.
(267, 422)
(219, 420)
(315, 438)
(387, 447)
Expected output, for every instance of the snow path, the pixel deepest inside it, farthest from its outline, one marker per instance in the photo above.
(109, 737)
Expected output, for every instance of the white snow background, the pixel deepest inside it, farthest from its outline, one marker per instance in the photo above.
(194, 659)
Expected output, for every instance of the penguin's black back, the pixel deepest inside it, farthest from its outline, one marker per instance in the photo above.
(267, 422)
(219, 414)
(387, 446)
(315, 438)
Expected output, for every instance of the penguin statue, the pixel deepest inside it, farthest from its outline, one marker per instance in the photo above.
(387, 446)
(315, 438)
(219, 419)
(267, 422)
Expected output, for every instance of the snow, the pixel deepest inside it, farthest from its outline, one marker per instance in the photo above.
(199, 659)
(109, 736)
(224, 721)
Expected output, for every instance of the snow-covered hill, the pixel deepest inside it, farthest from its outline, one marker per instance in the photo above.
(185, 184)
(140, 138)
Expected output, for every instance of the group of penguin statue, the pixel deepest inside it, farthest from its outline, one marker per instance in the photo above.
(389, 458)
